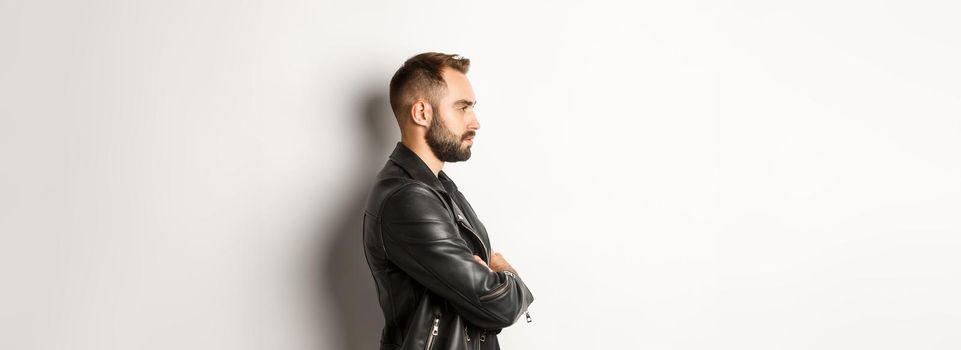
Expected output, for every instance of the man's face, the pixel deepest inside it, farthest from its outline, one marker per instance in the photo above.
(452, 127)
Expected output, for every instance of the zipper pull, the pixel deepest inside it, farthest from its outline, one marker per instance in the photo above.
(528, 316)
(434, 331)
(483, 335)
(467, 333)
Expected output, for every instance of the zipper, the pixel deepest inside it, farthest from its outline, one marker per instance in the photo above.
(529, 320)
(500, 290)
(433, 333)
(461, 220)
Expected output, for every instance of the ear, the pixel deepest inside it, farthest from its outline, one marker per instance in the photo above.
(421, 113)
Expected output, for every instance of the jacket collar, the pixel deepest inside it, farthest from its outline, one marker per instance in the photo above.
(418, 170)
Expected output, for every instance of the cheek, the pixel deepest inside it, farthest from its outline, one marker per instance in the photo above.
(457, 122)
(457, 125)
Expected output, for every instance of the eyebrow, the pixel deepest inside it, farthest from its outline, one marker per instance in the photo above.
(465, 102)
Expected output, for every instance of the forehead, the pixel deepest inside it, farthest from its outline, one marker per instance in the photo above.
(458, 86)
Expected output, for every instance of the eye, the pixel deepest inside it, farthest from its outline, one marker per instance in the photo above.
(463, 109)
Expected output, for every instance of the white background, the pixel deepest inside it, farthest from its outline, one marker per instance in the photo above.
(669, 175)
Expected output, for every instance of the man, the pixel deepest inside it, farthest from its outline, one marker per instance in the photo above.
(438, 282)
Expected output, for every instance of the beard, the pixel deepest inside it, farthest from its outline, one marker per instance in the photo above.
(445, 144)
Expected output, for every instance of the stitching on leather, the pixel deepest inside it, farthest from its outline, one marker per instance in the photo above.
(415, 221)
(425, 186)
(372, 272)
(418, 240)
(390, 296)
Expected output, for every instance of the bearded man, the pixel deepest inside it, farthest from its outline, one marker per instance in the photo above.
(439, 283)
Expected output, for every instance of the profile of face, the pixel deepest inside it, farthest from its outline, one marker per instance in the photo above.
(454, 123)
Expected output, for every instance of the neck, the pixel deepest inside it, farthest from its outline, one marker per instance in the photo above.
(423, 151)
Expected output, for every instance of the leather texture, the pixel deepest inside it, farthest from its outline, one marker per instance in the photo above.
(420, 235)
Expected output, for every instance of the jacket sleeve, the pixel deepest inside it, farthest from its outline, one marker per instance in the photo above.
(421, 238)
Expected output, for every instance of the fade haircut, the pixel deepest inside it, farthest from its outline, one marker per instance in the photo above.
(421, 77)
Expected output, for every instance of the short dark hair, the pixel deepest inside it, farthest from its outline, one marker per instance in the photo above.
(421, 76)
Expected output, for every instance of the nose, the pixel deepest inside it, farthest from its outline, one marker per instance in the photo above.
(474, 124)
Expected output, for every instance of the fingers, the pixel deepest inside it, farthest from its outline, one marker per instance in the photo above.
(481, 261)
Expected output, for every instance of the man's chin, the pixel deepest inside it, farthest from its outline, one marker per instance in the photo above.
(464, 156)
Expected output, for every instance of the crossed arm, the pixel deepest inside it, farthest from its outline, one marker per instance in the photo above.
(422, 239)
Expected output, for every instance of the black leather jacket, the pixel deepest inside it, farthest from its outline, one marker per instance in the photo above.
(420, 235)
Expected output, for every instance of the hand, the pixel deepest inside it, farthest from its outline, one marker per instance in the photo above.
(481, 261)
(498, 263)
